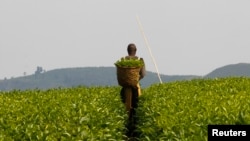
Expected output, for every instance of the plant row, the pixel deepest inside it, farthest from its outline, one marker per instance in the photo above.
(181, 111)
(173, 111)
(62, 114)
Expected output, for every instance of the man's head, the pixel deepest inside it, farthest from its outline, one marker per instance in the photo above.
(131, 49)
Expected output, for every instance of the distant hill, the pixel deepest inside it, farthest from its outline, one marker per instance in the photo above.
(240, 69)
(87, 76)
(105, 76)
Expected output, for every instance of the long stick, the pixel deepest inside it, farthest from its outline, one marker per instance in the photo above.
(147, 44)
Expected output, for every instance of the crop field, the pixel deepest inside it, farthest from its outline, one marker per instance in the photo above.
(62, 114)
(176, 111)
(181, 111)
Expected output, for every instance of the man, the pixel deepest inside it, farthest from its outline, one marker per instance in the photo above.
(131, 103)
(130, 95)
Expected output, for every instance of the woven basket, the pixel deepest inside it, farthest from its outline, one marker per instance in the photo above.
(128, 76)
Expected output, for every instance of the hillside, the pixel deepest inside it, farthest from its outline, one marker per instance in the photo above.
(240, 69)
(88, 76)
(106, 76)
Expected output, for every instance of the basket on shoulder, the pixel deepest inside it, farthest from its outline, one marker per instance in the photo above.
(128, 71)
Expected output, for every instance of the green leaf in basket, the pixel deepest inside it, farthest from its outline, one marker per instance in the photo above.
(129, 63)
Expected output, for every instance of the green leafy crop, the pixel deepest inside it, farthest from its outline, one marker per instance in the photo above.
(93, 114)
(129, 62)
(174, 111)
(183, 110)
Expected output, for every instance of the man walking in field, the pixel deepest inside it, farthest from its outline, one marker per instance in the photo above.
(130, 96)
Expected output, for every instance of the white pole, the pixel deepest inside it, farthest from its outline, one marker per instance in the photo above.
(147, 44)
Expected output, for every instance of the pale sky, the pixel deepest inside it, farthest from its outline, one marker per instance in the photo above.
(185, 36)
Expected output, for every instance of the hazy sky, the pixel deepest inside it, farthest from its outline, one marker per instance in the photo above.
(185, 36)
